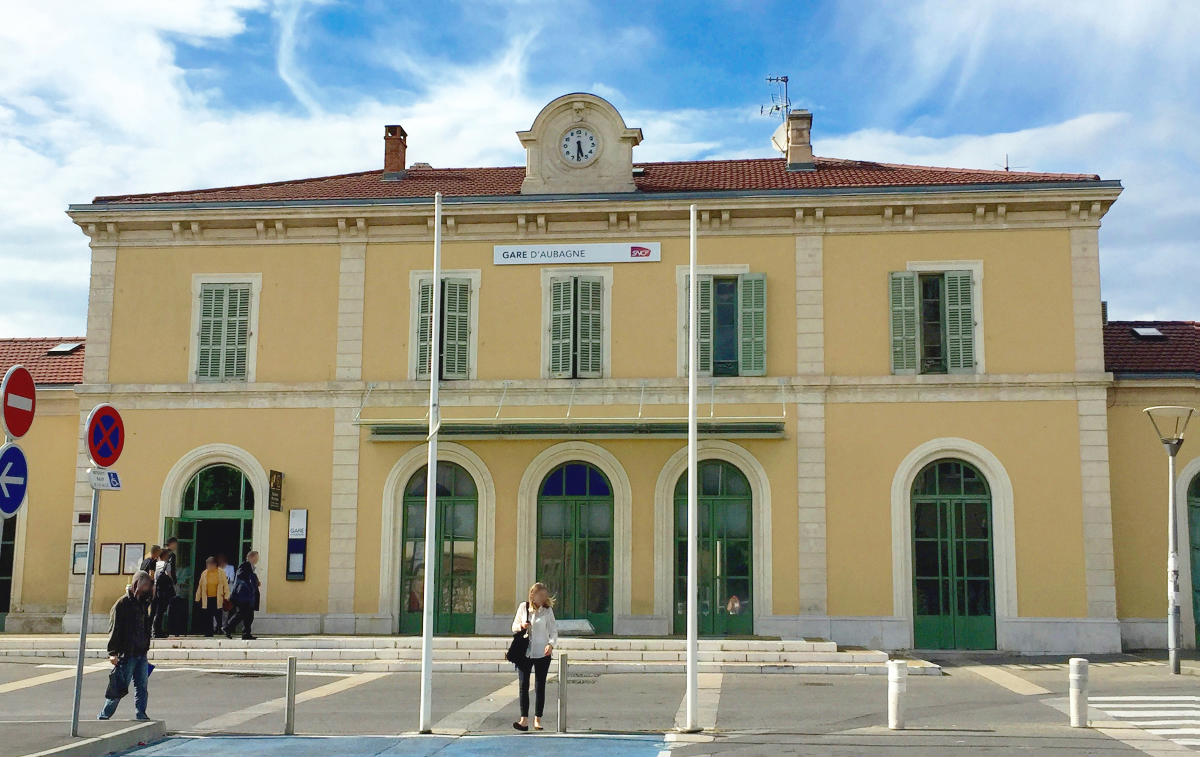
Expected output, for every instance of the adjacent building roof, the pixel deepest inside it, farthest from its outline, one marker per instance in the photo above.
(49, 366)
(1152, 347)
(683, 176)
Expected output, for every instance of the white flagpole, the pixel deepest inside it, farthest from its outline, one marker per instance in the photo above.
(430, 595)
(692, 504)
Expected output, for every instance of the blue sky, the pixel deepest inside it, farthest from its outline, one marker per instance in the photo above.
(140, 95)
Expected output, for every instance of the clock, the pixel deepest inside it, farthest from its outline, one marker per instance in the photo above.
(578, 146)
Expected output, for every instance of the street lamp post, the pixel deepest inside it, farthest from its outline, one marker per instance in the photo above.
(1169, 423)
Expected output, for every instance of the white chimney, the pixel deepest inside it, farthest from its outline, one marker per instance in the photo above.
(799, 141)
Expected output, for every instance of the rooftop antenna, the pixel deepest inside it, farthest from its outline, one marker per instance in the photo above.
(1006, 166)
(779, 99)
(781, 104)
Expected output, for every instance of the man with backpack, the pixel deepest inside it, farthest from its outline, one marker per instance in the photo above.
(128, 643)
(245, 597)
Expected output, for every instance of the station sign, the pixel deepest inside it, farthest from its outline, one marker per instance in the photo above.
(588, 252)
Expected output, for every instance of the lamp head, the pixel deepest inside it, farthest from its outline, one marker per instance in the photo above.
(1170, 421)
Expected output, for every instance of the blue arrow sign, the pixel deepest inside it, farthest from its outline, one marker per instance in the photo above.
(14, 479)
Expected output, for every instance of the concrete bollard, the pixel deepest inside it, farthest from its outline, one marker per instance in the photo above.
(897, 685)
(1079, 695)
(562, 692)
(289, 712)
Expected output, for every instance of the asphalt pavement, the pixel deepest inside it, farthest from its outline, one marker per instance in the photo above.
(983, 705)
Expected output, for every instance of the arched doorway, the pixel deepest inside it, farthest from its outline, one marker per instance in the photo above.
(954, 595)
(216, 518)
(457, 523)
(725, 550)
(575, 543)
(1193, 510)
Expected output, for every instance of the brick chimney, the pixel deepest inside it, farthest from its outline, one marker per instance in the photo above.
(395, 144)
(799, 141)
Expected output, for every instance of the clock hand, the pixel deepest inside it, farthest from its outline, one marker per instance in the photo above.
(579, 149)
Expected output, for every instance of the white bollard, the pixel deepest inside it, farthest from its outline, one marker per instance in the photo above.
(1079, 695)
(289, 713)
(897, 685)
(563, 672)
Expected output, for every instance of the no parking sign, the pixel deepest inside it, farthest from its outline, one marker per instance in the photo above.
(105, 435)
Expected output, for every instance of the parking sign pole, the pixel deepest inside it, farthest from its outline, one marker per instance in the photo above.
(83, 618)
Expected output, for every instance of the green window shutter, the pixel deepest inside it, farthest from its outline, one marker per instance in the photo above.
(704, 323)
(752, 324)
(562, 325)
(456, 331)
(960, 323)
(208, 357)
(590, 326)
(237, 331)
(424, 326)
(902, 288)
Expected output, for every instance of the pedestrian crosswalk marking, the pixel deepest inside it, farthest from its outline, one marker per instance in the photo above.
(1175, 717)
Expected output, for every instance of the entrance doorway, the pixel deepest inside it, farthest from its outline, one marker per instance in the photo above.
(725, 551)
(575, 543)
(458, 505)
(216, 518)
(954, 594)
(1193, 501)
(8, 546)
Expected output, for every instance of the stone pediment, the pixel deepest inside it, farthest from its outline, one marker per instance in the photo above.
(578, 144)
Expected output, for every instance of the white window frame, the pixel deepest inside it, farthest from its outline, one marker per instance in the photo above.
(976, 269)
(198, 282)
(414, 304)
(681, 317)
(605, 274)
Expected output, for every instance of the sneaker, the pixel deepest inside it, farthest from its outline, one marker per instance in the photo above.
(228, 634)
(248, 637)
(143, 716)
(102, 716)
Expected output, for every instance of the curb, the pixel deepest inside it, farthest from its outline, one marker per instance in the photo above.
(117, 741)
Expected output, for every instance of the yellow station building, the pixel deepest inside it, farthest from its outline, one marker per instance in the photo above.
(906, 418)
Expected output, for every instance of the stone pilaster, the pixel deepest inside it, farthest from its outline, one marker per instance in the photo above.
(810, 486)
(1085, 296)
(1097, 503)
(810, 304)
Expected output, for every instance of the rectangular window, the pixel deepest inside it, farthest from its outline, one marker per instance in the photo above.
(576, 327)
(731, 324)
(224, 335)
(932, 322)
(454, 354)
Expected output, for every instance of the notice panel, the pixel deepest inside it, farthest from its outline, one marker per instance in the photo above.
(591, 252)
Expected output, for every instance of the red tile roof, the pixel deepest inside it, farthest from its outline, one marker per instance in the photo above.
(1176, 351)
(47, 370)
(684, 176)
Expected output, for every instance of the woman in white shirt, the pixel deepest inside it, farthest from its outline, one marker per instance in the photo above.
(536, 617)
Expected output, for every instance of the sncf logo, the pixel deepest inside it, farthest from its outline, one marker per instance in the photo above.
(639, 252)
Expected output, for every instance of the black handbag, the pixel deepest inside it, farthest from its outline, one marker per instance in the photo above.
(518, 650)
(117, 687)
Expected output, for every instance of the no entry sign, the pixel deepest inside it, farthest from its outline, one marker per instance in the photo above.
(18, 400)
(105, 434)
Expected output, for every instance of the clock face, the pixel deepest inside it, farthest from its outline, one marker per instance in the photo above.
(578, 146)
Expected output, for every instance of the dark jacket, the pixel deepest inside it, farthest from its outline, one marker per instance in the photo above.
(164, 583)
(148, 566)
(129, 626)
(245, 585)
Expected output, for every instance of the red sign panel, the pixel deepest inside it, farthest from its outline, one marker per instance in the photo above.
(105, 434)
(18, 401)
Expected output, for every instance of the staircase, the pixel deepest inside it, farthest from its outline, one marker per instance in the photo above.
(361, 654)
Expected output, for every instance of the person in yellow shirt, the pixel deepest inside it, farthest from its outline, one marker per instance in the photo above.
(212, 589)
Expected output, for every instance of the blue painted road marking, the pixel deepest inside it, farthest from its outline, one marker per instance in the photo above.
(526, 745)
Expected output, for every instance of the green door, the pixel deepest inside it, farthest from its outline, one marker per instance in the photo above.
(953, 588)
(1193, 500)
(8, 545)
(457, 503)
(725, 551)
(575, 543)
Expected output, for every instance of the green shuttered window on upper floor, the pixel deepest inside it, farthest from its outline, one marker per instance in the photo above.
(455, 352)
(576, 327)
(731, 324)
(224, 336)
(932, 322)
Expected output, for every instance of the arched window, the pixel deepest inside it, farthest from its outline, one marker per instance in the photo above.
(575, 543)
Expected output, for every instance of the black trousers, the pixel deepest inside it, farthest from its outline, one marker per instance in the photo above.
(243, 612)
(162, 603)
(210, 622)
(539, 666)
